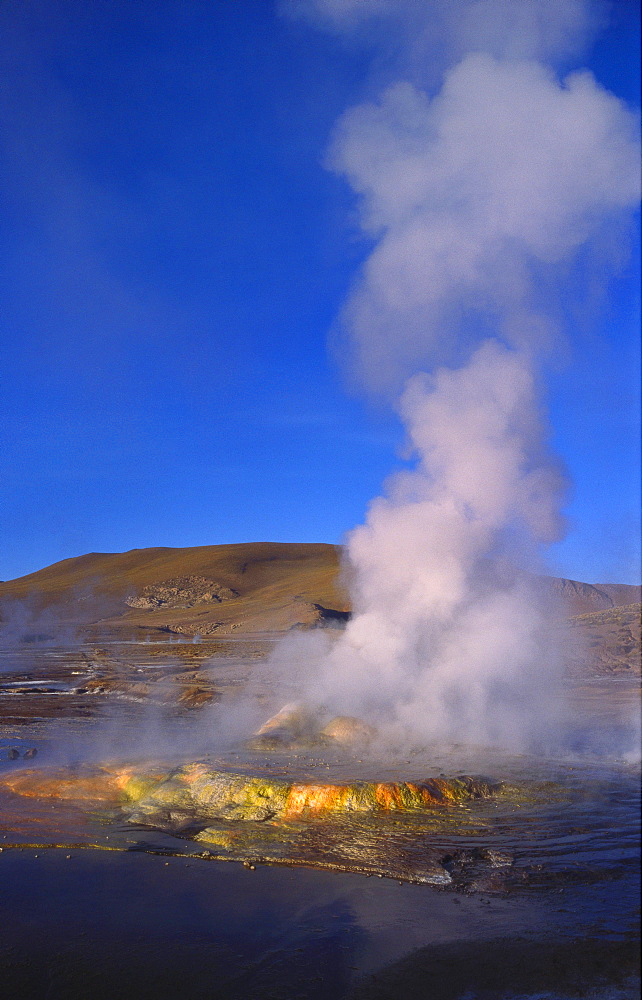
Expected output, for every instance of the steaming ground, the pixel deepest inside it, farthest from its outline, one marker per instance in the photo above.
(177, 702)
(133, 648)
(547, 871)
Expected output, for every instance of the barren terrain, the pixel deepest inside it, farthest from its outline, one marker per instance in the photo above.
(183, 626)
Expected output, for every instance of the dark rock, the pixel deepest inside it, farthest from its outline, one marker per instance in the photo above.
(331, 617)
(475, 855)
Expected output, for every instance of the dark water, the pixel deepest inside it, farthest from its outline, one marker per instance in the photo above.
(539, 898)
(136, 925)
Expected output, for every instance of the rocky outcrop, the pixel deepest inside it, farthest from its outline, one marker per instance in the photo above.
(181, 592)
(330, 617)
(605, 642)
(195, 697)
(192, 629)
(348, 731)
(290, 722)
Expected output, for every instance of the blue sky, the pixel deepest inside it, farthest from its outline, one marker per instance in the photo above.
(175, 257)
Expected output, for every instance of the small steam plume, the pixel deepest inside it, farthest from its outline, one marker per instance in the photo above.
(478, 199)
(25, 623)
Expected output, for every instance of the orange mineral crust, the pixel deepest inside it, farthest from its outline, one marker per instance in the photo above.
(106, 784)
(405, 796)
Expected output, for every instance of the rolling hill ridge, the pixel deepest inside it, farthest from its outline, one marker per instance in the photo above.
(218, 589)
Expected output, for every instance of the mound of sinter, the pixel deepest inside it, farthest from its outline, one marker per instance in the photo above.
(295, 726)
(195, 794)
(382, 828)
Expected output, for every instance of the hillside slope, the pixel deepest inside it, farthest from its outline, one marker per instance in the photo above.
(584, 598)
(605, 642)
(250, 587)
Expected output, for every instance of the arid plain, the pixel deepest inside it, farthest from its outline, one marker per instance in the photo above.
(191, 605)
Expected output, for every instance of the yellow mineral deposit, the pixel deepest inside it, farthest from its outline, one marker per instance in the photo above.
(371, 797)
(211, 794)
(195, 794)
(99, 787)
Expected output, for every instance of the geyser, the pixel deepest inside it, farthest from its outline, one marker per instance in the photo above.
(479, 199)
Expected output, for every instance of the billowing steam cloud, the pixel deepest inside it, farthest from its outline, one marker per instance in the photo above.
(496, 180)
(477, 199)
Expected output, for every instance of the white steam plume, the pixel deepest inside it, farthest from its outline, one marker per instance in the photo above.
(447, 638)
(498, 179)
(477, 199)
(445, 30)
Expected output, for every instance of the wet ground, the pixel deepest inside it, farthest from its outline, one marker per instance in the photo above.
(530, 893)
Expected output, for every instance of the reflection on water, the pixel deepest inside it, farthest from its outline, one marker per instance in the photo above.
(123, 925)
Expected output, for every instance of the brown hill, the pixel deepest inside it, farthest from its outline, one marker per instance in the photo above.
(252, 587)
(212, 588)
(584, 598)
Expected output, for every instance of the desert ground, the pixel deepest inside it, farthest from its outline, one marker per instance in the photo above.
(158, 623)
